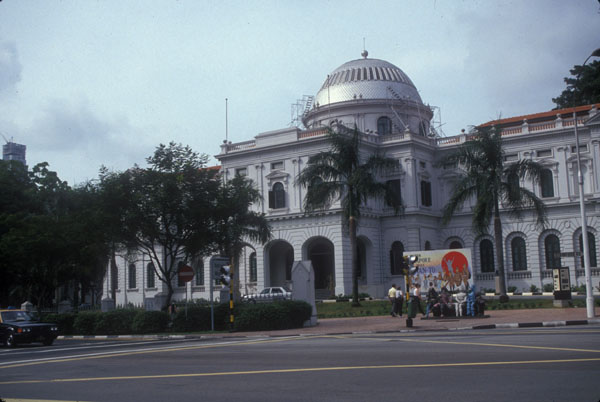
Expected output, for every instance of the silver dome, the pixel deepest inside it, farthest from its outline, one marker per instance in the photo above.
(366, 79)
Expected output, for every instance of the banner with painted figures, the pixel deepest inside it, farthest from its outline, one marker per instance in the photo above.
(445, 268)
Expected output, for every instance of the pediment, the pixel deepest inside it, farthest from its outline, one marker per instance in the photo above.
(277, 174)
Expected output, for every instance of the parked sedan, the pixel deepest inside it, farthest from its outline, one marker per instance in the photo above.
(268, 295)
(18, 326)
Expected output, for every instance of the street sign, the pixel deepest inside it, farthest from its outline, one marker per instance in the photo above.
(571, 254)
(185, 273)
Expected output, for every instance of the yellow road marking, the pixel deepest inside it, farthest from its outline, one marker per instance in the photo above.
(472, 343)
(300, 370)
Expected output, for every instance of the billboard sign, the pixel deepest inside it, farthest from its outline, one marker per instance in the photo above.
(450, 268)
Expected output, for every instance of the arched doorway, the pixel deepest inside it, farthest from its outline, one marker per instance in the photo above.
(281, 259)
(320, 252)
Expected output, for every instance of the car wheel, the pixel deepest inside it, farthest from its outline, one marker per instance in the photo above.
(48, 342)
(10, 341)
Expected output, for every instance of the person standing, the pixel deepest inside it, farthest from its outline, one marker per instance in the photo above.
(392, 297)
(416, 298)
(432, 298)
(399, 301)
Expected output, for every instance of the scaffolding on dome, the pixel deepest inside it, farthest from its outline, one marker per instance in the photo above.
(300, 109)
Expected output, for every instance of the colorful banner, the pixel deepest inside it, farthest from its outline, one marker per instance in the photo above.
(450, 268)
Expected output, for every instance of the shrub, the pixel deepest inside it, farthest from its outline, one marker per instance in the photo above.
(273, 316)
(115, 322)
(85, 322)
(512, 289)
(198, 317)
(64, 321)
(146, 322)
(548, 287)
(533, 288)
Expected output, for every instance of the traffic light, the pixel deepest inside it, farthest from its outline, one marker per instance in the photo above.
(225, 275)
(408, 264)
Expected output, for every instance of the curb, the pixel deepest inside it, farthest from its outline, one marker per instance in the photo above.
(595, 321)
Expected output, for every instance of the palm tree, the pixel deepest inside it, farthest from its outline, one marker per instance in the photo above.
(485, 176)
(347, 173)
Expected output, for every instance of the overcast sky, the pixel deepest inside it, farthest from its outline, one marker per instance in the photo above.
(86, 83)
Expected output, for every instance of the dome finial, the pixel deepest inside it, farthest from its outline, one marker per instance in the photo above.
(364, 53)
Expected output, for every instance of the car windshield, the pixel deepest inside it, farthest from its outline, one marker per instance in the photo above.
(15, 316)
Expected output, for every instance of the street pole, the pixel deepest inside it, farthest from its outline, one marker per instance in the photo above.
(589, 290)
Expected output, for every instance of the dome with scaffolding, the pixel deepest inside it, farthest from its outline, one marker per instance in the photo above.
(366, 79)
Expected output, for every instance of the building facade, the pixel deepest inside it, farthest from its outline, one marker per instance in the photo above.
(11, 151)
(381, 101)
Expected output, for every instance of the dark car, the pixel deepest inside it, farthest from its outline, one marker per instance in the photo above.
(18, 326)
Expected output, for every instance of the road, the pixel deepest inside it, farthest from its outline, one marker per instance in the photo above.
(542, 364)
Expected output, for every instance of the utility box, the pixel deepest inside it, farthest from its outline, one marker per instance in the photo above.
(562, 286)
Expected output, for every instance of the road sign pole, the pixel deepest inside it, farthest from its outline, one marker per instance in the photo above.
(231, 281)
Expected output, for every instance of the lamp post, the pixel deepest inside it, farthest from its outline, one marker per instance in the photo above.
(589, 299)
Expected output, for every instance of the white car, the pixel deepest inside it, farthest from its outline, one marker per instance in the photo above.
(268, 295)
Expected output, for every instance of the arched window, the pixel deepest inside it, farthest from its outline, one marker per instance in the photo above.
(395, 192)
(277, 196)
(455, 244)
(150, 276)
(384, 126)
(519, 254)
(132, 282)
(427, 245)
(513, 182)
(552, 251)
(592, 249)
(547, 183)
(199, 272)
(253, 271)
(425, 193)
(486, 256)
(396, 258)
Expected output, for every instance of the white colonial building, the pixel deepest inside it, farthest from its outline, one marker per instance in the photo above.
(383, 103)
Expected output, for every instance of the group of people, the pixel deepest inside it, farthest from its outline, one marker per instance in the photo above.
(397, 299)
(439, 304)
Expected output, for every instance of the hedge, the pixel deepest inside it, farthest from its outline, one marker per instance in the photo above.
(150, 322)
(273, 316)
(247, 317)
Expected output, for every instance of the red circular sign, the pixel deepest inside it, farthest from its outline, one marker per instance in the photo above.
(185, 273)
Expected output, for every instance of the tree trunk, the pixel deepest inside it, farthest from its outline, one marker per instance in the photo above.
(499, 252)
(354, 252)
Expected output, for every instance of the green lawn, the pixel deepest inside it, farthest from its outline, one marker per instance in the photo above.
(382, 307)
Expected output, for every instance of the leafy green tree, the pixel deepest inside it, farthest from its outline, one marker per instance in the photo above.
(34, 243)
(348, 173)
(485, 177)
(165, 209)
(584, 91)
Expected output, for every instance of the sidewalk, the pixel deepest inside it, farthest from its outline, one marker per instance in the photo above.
(548, 317)
(493, 319)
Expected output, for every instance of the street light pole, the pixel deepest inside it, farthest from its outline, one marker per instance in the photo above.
(589, 299)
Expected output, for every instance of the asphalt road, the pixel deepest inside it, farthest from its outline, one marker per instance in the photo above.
(542, 364)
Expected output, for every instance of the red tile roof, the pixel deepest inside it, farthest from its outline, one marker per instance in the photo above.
(551, 115)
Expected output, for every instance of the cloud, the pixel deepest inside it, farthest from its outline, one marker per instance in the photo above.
(76, 141)
(10, 67)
